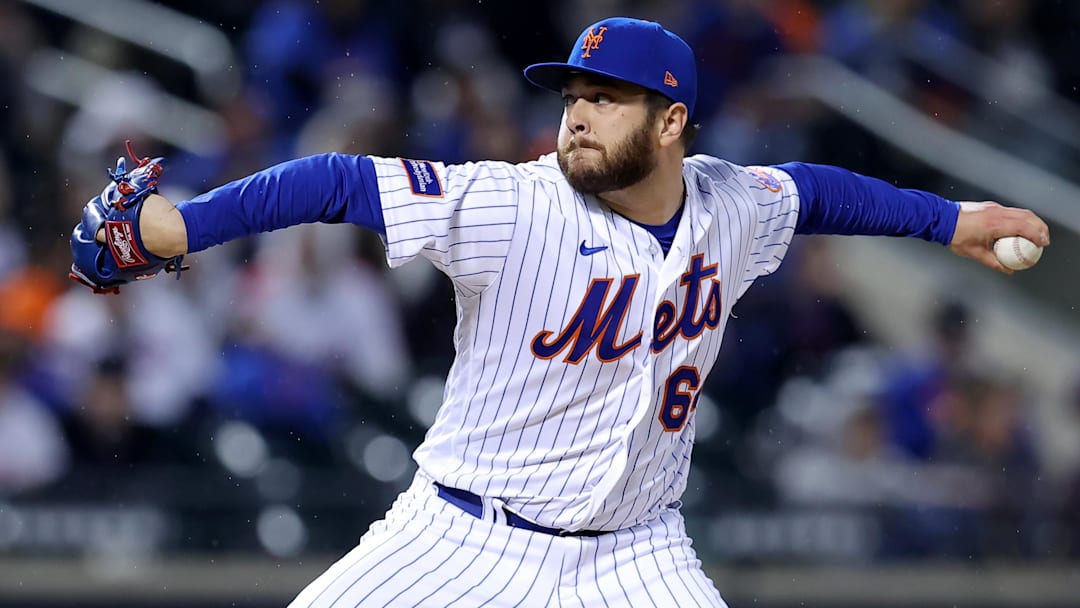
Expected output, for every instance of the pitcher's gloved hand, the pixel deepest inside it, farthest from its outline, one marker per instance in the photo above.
(122, 258)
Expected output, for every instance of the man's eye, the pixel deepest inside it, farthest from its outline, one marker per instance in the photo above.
(568, 100)
(602, 98)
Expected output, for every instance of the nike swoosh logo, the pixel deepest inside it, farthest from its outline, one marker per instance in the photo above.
(591, 250)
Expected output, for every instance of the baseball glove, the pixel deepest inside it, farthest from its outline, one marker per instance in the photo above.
(122, 258)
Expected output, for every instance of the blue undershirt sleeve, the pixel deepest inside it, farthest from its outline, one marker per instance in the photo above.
(836, 201)
(328, 188)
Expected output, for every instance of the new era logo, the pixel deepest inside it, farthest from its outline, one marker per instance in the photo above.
(669, 79)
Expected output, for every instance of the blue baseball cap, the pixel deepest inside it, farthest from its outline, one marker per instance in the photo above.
(631, 50)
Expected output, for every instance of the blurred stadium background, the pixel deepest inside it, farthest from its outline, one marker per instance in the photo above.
(887, 425)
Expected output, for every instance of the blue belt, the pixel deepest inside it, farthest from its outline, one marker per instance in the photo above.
(474, 505)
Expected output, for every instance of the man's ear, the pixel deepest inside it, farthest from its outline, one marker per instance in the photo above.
(672, 122)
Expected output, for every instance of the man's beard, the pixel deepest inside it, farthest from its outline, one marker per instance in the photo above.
(620, 166)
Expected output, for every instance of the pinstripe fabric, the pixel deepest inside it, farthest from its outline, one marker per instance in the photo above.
(427, 552)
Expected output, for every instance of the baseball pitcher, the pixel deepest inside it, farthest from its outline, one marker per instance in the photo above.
(593, 286)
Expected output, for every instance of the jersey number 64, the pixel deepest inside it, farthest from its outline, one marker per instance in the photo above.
(680, 398)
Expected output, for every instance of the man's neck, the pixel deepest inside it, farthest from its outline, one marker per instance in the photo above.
(652, 201)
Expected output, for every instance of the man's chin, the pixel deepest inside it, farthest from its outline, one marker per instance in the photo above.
(585, 182)
(581, 170)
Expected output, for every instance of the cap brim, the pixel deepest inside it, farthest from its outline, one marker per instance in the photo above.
(552, 76)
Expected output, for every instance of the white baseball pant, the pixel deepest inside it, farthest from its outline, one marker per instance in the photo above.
(429, 552)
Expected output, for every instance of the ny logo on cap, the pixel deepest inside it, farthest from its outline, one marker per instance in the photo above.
(592, 41)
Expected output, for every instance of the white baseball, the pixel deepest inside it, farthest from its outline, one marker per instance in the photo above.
(1016, 252)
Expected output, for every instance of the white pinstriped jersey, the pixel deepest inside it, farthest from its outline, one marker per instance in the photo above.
(580, 346)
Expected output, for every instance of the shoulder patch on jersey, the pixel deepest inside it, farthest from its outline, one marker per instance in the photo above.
(422, 177)
(767, 180)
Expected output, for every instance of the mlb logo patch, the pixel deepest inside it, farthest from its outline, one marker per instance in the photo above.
(422, 177)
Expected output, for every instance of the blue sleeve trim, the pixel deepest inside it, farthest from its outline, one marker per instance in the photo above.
(371, 214)
(329, 188)
(836, 201)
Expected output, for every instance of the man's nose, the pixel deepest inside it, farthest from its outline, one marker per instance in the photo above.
(577, 117)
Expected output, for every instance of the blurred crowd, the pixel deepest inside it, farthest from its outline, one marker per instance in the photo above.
(300, 350)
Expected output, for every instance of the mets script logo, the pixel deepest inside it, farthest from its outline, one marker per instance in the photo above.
(597, 322)
(592, 41)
